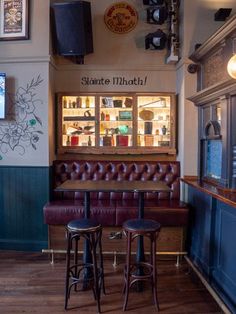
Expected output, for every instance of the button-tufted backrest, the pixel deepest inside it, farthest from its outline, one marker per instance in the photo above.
(166, 171)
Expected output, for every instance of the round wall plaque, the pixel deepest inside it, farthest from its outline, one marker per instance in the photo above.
(121, 18)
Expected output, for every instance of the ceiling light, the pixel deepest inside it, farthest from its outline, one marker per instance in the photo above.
(156, 40)
(153, 2)
(157, 15)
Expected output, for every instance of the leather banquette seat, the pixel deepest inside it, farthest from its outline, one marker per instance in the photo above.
(112, 209)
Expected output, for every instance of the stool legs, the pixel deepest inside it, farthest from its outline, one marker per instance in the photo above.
(74, 271)
(67, 269)
(127, 271)
(154, 274)
(95, 273)
(131, 278)
(101, 262)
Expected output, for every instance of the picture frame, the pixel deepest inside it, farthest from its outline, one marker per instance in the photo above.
(125, 115)
(14, 19)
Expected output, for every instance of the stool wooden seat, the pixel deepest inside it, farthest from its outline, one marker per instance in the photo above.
(141, 271)
(89, 274)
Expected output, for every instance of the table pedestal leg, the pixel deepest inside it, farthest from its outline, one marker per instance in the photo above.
(87, 257)
(140, 247)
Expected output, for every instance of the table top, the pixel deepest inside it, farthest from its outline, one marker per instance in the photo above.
(113, 186)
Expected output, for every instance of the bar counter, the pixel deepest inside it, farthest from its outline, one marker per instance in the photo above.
(226, 196)
(211, 236)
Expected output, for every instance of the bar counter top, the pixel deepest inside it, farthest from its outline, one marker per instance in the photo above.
(225, 195)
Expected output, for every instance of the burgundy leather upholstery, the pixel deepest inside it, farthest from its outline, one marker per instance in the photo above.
(62, 212)
(167, 213)
(114, 208)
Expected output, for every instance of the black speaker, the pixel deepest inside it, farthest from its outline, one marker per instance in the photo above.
(73, 28)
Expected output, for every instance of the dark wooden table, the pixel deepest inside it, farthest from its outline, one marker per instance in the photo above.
(141, 187)
(113, 186)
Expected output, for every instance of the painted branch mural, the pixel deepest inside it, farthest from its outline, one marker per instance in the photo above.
(22, 130)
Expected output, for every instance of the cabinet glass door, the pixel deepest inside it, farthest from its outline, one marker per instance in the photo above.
(116, 121)
(78, 114)
(153, 121)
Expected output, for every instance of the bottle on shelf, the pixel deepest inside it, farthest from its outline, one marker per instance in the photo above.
(102, 128)
(87, 102)
(78, 102)
(112, 140)
(89, 141)
(64, 102)
(164, 129)
(68, 140)
(102, 116)
(70, 104)
(64, 129)
(139, 139)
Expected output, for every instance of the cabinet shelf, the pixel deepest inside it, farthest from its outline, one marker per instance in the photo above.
(115, 124)
(154, 120)
(78, 118)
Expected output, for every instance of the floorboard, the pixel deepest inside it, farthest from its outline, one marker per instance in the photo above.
(30, 284)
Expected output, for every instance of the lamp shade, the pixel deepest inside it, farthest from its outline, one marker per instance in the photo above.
(231, 66)
(156, 40)
(157, 15)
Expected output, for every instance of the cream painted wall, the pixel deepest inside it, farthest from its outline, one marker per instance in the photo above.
(124, 55)
(121, 51)
(24, 136)
(188, 122)
(196, 25)
(38, 44)
(114, 55)
(153, 81)
(199, 22)
(51, 113)
(118, 55)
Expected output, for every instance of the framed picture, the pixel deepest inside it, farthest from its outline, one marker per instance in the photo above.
(125, 115)
(14, 19)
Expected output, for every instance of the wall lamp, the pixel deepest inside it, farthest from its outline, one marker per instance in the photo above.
(157, 15)
(153, 2)
(156, 40)
(231, 66)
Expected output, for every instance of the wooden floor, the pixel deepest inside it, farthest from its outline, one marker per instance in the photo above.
(30, 284)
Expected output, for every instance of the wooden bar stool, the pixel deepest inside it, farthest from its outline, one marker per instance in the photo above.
(141, 270)
(89, 274)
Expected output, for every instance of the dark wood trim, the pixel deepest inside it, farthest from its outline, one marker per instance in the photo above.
(189, 178)
(227, 196)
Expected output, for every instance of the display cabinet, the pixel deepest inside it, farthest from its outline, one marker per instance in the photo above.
(127, 123)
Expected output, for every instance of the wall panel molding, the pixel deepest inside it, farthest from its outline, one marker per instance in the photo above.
(23, 193)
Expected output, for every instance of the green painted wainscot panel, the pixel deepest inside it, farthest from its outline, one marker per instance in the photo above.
(23, 193)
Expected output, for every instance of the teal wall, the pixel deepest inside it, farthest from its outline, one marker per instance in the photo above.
(23, 193)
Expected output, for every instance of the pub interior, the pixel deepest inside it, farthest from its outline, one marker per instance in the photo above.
(118, 116)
